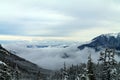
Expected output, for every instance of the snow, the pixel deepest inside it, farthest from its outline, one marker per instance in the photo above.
(2, 63)
(112, 34)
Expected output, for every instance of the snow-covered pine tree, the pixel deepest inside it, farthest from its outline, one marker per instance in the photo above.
(65, 74)
(39, 76)
(77, 73)
(16, 73)
(90, 72)
(4, 72)
(72, 73)
(108, 70)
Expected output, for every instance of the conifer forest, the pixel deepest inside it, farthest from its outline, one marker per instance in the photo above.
(107, 68)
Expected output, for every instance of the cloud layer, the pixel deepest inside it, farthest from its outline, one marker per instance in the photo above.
(53, 57)
(68, 19)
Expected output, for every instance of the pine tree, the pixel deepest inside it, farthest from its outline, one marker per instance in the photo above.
(39, 76)
(108, 62)
(5, 72)
(16, 73)
(90, 72)
(65, 75)
(77, 73)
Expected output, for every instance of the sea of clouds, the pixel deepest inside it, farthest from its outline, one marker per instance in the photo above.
(53, 57)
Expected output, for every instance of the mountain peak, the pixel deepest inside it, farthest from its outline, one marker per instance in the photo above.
(115, 35)
(111, 40)
(107, 36)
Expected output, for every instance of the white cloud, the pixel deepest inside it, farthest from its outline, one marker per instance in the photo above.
(60, 18)
(89, 34)
(52, 58)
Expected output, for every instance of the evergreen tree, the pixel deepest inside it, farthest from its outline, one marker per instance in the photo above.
(65, 75)
(109, 63)
(16, 73)
(39, 75)
(5, 72)
(90, 72)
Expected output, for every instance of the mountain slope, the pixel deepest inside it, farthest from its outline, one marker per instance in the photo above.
(104, 41)
(12, 60)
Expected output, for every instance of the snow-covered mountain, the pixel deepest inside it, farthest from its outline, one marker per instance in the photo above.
(49, 43)
(111, 40)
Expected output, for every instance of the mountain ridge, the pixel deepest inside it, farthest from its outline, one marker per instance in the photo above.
(12, 60)
(111, 40)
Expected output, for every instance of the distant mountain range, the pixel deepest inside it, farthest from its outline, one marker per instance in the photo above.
(111, 40)
(40, 43)
(50, 44)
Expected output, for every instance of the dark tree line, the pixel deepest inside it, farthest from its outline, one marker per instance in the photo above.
(106, 68)
(9, 73)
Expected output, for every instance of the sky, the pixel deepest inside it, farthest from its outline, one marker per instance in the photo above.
(78, 20)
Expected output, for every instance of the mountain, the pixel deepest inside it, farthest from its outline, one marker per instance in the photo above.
(25, 66)
(111, 40)
(49, 44)
(39, 43)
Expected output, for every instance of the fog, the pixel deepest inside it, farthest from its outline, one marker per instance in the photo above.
(53, 57)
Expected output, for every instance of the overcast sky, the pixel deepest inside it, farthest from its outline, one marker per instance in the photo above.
(79, 20)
